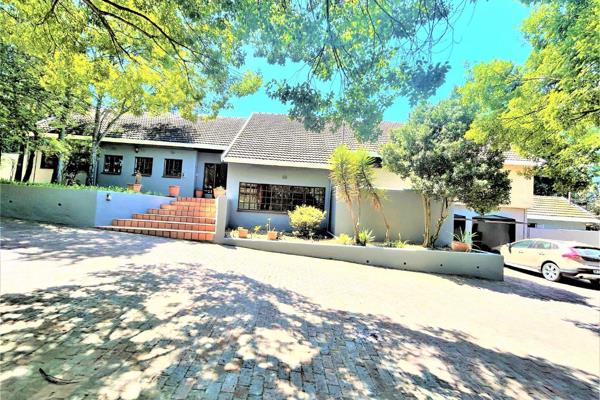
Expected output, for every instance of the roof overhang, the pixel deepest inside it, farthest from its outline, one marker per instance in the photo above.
(524, 163)
(559, 218)
(275, 163)
(144, 142)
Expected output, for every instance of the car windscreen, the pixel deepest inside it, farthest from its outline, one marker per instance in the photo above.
(588, 252)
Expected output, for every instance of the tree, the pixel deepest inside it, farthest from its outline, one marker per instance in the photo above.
(343, 176)
(353, 174)
(548, 108)
(361, 55)
(365, 178)
(443, 166)
(116, 57)
(23, 103)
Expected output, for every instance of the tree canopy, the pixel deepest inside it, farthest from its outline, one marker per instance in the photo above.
(442, 165)
(359, 55)
(548, 108)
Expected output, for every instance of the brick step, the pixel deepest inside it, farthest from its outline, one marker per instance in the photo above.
(183, 213)
(174, 218)
(187, 226)
(196, 200)
(193, 204)
(168, 233)
(185, 207)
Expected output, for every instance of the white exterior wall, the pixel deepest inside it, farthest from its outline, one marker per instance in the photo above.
(404, 212)
(8, 165)
(272, 175)
(549, 224)
(156, 182)
(589, 237)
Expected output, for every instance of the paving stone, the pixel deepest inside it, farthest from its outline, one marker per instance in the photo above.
(127, 314)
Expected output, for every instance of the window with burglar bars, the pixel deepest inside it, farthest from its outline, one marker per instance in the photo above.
(144, 165)
(173, 168)
(112, 164)
(278, 198)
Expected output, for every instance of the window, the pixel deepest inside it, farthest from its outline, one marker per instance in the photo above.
(531, 225)
(112, 164)
(523, 244)
(279, 198)
(48, 162)
(173, 168)
(215, 175)
(144, 165)
(539, 244)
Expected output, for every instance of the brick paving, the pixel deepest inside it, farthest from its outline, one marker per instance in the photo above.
(129, 316)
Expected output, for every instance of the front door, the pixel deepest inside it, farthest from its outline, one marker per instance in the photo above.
(215, 175)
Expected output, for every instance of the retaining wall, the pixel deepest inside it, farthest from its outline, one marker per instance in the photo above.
(75, 207)
(479, 265)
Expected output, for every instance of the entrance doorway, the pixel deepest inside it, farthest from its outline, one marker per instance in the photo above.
(493, 231)
(215, 175)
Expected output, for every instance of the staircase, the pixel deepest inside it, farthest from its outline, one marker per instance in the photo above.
(185, 218)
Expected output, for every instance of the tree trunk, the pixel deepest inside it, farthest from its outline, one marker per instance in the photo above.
(20, 161)
(29, 169)
(93, 171)
(427, 217)
(440, 221)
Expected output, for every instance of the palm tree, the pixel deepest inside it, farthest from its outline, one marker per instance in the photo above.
(343, 174)
(365, 182)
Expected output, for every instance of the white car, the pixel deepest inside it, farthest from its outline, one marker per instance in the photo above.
(554, 259)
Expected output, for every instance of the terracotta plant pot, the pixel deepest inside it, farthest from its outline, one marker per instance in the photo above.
(173, 190)
(460, 246)
(199, 193)
(218, 192)
(136, 187)
(272, 235)
(242, 233)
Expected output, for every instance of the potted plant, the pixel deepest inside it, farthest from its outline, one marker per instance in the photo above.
(199, 193)
(256, 230)
(173, 190)
(242, 232)
(136, 186)
(271, 232)
(219, 191)
(463, 242)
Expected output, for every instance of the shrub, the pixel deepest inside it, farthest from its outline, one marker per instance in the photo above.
(365, 237)
(306, 220)
(344, 239)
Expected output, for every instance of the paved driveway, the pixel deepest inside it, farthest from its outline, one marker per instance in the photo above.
(128, 316)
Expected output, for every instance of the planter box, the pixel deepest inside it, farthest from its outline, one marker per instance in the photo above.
(475, 265)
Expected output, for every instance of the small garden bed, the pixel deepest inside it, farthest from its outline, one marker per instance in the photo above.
(118, 189)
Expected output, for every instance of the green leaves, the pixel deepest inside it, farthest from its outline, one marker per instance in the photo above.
(432, 152)
(549, 108)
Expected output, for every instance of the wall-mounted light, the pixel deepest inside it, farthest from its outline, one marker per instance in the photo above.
(137, 149)
(108, 197)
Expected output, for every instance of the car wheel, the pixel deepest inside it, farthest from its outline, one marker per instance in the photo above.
(551, 272)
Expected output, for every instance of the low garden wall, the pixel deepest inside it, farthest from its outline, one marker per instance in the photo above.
(479, 265)
(75, 207)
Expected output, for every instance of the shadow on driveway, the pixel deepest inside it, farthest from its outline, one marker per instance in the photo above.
(180, 330)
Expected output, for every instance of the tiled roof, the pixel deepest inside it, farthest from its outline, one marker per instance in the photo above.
(557, 208)
(170, 127)
(264, 138)
(275, 137)
(511, 156)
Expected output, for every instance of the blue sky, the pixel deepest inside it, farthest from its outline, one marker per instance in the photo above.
(485, 31)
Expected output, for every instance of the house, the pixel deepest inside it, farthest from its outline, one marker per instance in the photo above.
(269, 164)
(554, 217)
